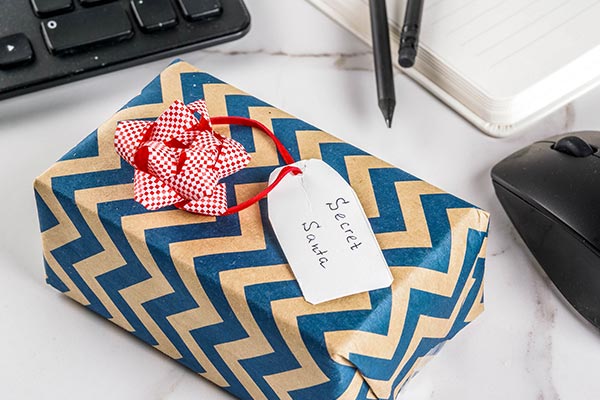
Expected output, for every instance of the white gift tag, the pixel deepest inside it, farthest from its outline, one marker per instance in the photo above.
(325, 234)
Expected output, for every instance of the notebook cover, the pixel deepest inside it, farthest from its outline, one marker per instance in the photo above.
(216, 294)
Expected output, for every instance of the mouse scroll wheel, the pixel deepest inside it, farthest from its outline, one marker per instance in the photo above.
(574, 146)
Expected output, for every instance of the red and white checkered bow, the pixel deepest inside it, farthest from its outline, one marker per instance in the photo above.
(179, 159)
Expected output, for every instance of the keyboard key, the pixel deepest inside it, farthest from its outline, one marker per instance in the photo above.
(93, 2)
(154, 15)
(15, 50)
(195, 10)
(78, 31)
(46, 8)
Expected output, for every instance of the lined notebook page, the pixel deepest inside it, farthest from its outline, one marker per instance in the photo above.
(503, 47)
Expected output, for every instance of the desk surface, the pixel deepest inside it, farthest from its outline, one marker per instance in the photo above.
(528, 345)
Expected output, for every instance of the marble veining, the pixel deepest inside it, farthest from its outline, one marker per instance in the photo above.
(355, 61)
(539, 346)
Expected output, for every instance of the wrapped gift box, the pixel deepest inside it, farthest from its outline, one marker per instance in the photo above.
(216, 294)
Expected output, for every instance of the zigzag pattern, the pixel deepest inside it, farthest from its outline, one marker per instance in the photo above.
(217, 295)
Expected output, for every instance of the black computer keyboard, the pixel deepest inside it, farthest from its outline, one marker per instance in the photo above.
(45, 43)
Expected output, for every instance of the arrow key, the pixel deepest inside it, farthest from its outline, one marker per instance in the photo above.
(15, 50)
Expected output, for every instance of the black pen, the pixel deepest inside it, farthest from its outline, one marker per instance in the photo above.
(383, 60)
(409, 37)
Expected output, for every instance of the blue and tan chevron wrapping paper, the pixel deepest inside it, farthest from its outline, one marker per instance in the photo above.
(216, 294)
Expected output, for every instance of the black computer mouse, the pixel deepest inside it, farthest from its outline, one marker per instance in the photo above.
(551, 193)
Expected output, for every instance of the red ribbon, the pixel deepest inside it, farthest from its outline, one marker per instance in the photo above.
(179, 159)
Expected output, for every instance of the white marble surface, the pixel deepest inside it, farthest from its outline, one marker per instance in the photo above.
(528, 345)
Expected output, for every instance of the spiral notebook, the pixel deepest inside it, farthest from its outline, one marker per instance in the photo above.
(501, 64)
